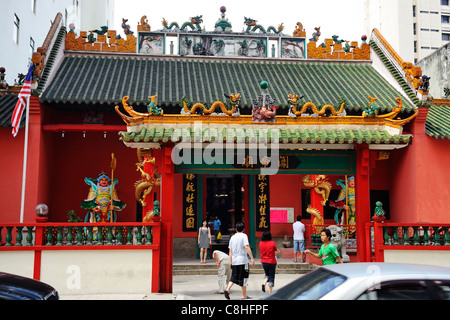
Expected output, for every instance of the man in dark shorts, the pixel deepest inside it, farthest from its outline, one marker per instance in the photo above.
(239, 248)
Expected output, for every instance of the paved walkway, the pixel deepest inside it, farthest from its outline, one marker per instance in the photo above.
(197, 287)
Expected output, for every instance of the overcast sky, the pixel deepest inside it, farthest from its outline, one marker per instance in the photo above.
(344, 18)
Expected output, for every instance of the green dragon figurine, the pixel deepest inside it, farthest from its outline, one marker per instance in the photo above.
(193, 24)
(372, 111)
(153, 108)
(253, 27)
(446, 93)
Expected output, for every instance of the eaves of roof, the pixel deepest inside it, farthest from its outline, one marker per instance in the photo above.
(103, 80)
(437, 124)
(253, 135)
(398, 77)
(7, 104)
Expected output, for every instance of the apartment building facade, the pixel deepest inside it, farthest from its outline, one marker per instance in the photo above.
(415, 28)
(25, 25)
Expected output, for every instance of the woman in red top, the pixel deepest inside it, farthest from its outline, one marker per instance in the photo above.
(268, 250)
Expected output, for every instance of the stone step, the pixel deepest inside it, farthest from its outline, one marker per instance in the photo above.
(211, 269)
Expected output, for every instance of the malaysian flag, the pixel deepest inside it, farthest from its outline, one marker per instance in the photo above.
(22, 103)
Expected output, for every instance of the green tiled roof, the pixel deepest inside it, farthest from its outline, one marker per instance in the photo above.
(398, 77)
(163, 135)
(438, 122)
(7, 104)
(103, 80)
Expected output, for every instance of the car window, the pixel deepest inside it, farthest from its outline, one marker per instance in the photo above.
(313, 285)
(320, 288)
(399, 290)
(443, 289)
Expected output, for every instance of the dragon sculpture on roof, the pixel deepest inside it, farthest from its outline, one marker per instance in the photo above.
(252, 26)
(233, 101)
(194, 24)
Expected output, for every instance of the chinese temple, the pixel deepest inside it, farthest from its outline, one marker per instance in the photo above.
(225, 124)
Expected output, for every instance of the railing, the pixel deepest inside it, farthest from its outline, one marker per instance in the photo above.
(414, 234)
(76, 235)
(402, 236)
(143, 239)
(312, 235)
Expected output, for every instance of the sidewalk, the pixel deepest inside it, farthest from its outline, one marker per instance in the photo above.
(198, 287)
(195, 287)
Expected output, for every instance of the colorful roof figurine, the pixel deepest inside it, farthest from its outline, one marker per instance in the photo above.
(322, 93)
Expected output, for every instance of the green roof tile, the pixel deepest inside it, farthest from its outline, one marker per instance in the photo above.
(438, 122)
(253, 135)
(104, 80)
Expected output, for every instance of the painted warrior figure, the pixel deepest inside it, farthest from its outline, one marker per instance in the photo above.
(102, 201)
(346, 201)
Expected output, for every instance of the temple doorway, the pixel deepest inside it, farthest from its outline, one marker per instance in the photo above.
(225, 196)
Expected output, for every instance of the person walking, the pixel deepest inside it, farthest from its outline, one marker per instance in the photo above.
(224, 272)
(204, 240)
(299, 240)
(239, 248)
(269, 250)
(328, 252)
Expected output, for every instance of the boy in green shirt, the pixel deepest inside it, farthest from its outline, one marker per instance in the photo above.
(328, 252)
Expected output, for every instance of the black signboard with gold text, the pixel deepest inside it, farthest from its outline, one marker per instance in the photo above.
(262, 203)
(190, 197)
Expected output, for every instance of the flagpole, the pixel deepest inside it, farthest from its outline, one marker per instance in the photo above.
(25, 158)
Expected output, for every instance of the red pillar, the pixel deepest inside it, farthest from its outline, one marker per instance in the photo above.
(165, 164)
(362, 195)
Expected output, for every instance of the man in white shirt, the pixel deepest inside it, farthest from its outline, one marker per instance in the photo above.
(239, 248)
(299, 240)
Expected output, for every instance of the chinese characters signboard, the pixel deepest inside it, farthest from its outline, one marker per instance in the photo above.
(190, 196)
(287, 162)
(262, 203)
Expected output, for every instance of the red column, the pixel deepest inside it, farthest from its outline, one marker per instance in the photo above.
(165, 164)
(362, 195)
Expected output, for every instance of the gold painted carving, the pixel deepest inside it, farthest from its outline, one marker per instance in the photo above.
(103, 43)
(335, 51)
(144, 26)
(299, 31)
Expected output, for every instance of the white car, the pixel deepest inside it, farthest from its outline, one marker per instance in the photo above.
(369, 281)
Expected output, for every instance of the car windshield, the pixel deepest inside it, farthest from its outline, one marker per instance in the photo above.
(311, 286)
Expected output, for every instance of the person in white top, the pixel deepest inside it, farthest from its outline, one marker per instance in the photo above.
(239, 248)
(299, 240)
(224, 272)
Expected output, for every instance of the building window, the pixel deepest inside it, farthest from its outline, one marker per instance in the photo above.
(446, 37)
(16, 29)
(445, 19)
(444, 2)
(32, 46)
(414, 28)
(414, 11)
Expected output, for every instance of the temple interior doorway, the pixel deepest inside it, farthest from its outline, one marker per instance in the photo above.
(225, 199)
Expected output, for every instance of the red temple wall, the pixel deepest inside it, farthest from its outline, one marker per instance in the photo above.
(11, 166)
(420, 183)
(75, 158)
(417, 177)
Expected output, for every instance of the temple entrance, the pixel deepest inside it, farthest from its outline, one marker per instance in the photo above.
(225, 199)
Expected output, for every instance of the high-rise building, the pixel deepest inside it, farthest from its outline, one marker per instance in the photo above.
(415, 28)
(25, 25)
